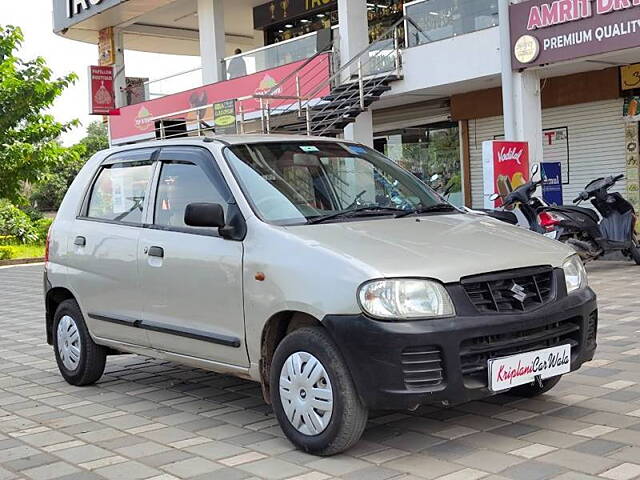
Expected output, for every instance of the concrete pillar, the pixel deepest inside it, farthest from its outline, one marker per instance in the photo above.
(119, 68)
(521, 98)
(354, 38)
(527, 112)
(212, 40)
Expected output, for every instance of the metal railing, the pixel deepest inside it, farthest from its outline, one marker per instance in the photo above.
(367, 70)
(370, 68)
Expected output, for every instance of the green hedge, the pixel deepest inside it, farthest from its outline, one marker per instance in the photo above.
(16, 223)
(7, 252)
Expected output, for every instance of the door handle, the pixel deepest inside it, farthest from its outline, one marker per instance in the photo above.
(156, 252)
(80, 241)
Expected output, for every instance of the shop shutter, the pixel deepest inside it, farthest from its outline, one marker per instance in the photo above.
(412, 115)
(596, 144)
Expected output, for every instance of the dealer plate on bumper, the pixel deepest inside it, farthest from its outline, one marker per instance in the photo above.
(523, 368)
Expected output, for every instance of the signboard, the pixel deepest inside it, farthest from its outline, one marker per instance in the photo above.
(102, 98)
(633, 167)
(224, 117)
(555, 148)
(106, 47)
(549, 31)
(67, 13)
(631, 109)
(281, 10)
(137, 90)
(552, 182)
(505, 167)
(630, 76)
(134, 124)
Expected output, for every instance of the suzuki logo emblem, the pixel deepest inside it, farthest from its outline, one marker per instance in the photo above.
(519, 293)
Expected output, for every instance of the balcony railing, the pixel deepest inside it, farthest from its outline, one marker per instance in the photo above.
(441, 19)
(271, 56)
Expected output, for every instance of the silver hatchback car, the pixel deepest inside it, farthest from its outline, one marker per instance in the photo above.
(314, 266)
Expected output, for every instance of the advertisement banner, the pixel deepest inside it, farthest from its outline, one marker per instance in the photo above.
(102, 98)
(106, 47)
(505, 167)
(134, 122)
(549, 31)
(224, 117)
(552, 182)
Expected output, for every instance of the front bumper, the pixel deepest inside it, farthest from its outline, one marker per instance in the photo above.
(401, 365)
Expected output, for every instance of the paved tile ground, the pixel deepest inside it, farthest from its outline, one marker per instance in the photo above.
(152, 419)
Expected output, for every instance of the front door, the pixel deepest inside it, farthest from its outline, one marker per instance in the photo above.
(191, 277)
(103, 247)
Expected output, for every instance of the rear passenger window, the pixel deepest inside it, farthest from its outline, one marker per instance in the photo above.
(119, 192)
(182, 183)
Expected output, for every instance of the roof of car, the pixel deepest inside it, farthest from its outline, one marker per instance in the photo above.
(230, 140)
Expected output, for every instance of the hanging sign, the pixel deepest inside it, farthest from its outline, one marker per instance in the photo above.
(106, 47)
(102, 98)
(630, 76)
(224, 117)
(505, 167)
(552, 182)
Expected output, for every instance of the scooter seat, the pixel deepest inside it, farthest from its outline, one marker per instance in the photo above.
(592, 214)
(503, 216)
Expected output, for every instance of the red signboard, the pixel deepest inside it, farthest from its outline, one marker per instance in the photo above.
(505, 167)
(102, 98)
(134, 122)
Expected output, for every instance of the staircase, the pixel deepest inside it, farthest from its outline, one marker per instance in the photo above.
(350, 90)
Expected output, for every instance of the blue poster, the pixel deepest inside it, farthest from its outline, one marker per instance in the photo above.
(552, 185)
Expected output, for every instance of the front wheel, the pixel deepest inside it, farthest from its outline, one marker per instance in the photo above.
(313, 395)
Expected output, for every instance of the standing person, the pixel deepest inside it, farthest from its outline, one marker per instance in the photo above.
(237, 67)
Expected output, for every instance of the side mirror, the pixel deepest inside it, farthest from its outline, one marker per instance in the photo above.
(204, 215)
(494, 197)
(535, 169)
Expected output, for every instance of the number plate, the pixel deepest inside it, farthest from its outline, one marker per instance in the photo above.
(508, 372)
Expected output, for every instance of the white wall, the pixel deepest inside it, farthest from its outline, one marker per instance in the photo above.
(596, 144)
(445, 62)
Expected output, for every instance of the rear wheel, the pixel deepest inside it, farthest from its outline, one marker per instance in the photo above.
(313, 395)
(80, 360)
(634, 251)
(534, 389)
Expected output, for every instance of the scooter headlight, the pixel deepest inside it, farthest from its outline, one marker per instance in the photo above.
(575, 274)
(405, 299)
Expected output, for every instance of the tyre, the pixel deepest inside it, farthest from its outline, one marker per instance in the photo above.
(80, 360)
(313, 395)
(634, 251)
(533, 389)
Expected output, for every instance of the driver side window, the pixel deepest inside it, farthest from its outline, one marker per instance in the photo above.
(182, 183)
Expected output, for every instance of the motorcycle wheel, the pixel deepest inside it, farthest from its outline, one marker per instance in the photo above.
(634, 251)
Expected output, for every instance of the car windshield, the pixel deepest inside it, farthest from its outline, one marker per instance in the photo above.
(291, 183)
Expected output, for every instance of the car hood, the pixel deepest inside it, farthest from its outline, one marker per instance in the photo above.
(444, 247)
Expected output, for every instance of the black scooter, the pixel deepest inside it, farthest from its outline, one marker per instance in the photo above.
(590, 235)
(524, 199)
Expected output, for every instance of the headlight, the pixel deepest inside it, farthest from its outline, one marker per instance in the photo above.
(405, 299)
(575, 274)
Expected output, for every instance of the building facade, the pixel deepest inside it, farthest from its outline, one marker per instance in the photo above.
(566, 68)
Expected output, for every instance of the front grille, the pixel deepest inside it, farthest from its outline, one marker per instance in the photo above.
(476, 352)
(422, 367)
(511, 291)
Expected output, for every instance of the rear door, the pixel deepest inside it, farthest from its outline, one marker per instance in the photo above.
(191, 277)
(104, 244)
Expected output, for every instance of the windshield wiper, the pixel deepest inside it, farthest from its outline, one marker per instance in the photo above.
(355, 212)
(438, 207)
